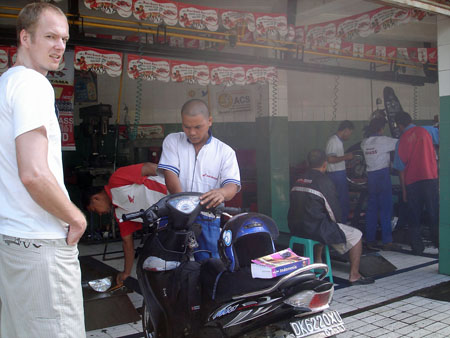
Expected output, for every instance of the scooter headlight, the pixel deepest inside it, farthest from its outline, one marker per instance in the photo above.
(185, 204)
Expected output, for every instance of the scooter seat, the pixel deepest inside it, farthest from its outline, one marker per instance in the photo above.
(219, 284)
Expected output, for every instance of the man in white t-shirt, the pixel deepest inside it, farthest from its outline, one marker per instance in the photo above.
(194, 160)
(40, 278)
(377, 149)
(336, 164)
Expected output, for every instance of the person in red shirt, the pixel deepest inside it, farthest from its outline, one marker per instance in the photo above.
(416, 162)
(129, 189)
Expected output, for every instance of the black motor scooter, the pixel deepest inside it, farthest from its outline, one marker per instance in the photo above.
(219, 297)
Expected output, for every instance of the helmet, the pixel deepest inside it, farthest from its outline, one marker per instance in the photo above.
(245, 237)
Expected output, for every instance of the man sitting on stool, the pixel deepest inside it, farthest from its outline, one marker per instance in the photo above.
(314, 213)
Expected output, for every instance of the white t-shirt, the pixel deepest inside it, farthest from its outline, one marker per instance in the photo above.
(214, 166)
(376, 151)
(335, 147)
(27, 102)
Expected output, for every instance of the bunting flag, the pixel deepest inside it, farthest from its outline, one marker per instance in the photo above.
(270, 26)
(323, 34)
(190, 72)
(148, 68)
(227, 75)
(198, 17)
(98, 60)
(156, 11)
(121, 7)
(4, 59)
(260, 74)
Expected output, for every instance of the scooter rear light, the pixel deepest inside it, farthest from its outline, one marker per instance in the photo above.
(315, 301)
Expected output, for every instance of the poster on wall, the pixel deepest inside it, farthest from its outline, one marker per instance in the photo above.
(62, 80)
(227, 75)
(198, 17)
(156, 11)
(4, 58)
(260, 74)
(148, 68)
(236, 101)
(270, 25)
(65, 119)
(121, 7)
(85, 87)
(190, 72)
(98, 60)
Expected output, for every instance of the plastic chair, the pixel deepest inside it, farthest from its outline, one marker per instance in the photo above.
(308, 251)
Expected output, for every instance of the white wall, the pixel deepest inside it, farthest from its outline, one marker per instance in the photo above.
(311, 97)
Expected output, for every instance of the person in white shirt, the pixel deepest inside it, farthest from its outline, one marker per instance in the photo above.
(194, 160)
(336, 164)
(40, 277)
(377, 149)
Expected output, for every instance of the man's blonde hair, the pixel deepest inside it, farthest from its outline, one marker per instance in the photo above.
(30, 15)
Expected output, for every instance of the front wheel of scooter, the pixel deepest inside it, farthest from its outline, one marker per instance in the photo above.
(147, 326)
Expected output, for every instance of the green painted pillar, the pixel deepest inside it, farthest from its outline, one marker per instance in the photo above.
(444, 185)
(272, 154)
(443, 25)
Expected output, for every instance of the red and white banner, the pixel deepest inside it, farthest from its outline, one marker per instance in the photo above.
(121, 7)
(270, 25)
(156, 11)
(190, 72)
(232, 19)
(67, 130)
(260, 74)
(98, 60)
(323, 34)
(4, 59)
(148, 68)
(198, 17)
(12, 55)
(227, 75)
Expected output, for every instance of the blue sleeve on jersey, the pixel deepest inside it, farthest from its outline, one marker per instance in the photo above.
(434, 132)
(398, 163)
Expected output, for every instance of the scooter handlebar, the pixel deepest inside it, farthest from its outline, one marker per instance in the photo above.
(132, 215)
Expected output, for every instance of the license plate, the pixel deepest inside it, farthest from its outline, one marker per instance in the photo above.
(324, 324)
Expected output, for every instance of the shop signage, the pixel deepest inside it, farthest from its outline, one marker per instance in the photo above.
(236, 101)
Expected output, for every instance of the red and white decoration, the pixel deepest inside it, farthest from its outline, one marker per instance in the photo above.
(148, 68)
(98, 60)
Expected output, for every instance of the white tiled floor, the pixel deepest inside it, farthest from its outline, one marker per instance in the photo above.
(380, 313)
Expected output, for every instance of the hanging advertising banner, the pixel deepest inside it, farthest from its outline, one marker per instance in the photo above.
(190, 72)
(198, 17)
(98, 60)
(432, 55)
(243, 23)
(148, 68)
(121, 7)
(260, 74)
(227, 75)
(270, 26)
(65, 119)
(156, 11)
(233, 19)
(4, 59)
(359, 25)
(12, 51)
